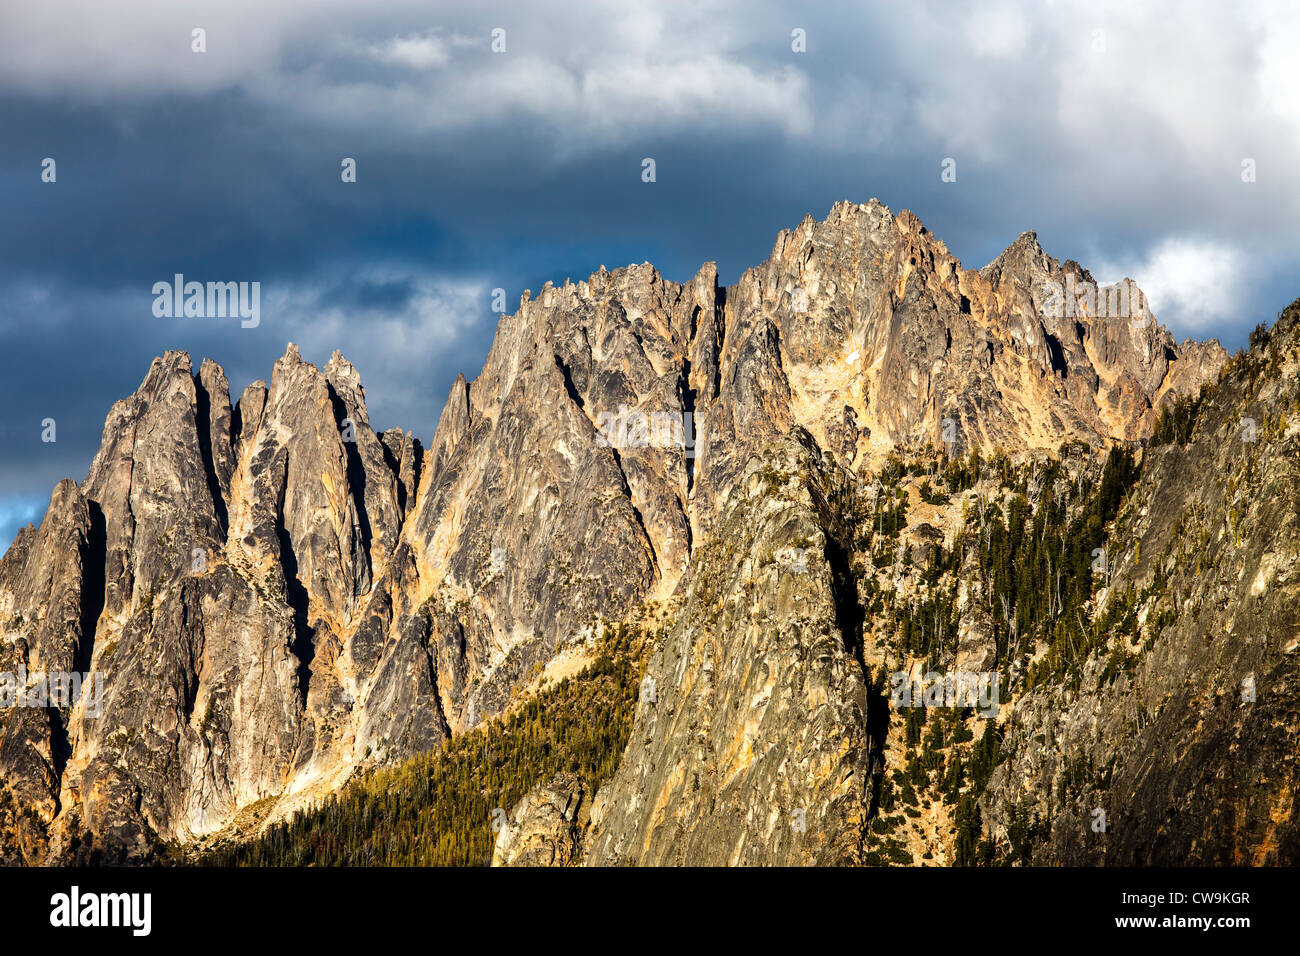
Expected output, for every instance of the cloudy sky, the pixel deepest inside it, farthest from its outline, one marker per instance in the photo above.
(1118, 131)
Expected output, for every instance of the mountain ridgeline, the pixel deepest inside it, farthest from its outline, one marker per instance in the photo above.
(654, 590)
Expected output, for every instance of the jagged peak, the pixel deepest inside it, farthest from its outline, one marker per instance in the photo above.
(603, 279)
(1072, 266)
(872, 216)
(212, 378)
(1024, 250)
(172, 364)
(910, 222)
(1028, 238)
(844, 208)
(65, 492)
(173, 360)
(339, 367)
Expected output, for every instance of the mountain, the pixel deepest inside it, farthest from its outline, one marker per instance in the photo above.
(282, 600)
(1158, 730)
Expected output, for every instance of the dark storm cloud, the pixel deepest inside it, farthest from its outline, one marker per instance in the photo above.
(1117, 134)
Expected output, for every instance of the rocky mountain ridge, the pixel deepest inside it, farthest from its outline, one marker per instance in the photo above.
(278, 595)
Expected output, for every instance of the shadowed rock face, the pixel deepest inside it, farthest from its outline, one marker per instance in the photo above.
(1200, 736)
(49, 568)
(276, 594)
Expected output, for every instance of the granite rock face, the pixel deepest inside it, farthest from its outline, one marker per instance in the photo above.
(885, 341)
(218, 558)
(276, 594)
(546, 826)
(751, 743)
